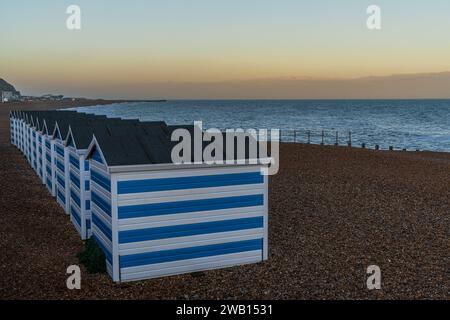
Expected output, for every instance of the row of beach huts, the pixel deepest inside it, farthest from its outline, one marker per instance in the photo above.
(151, 218)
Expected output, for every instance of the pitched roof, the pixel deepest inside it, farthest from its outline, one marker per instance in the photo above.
(122, 142)
(134, 143)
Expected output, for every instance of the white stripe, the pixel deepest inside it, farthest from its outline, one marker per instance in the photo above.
(101, 192)
(99, 167)
(188, 218)
(74, 170)
(190, 241)
(75, 205)
(186, 173)
(189, 194)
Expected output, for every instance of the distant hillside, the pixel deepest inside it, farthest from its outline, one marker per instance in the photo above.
(5, 86)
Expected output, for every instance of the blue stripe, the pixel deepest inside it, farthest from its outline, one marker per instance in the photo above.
(61, 181)
(86, 165)
(75, 214)
(156, 209)
(47, 144)
(88, 224)
(222, 180)
(101, 180)
(75, 198)
(141, 259)
(104, 249)
(48, 157)
(61, 197)
(60, 150)
(190, 229)
(101, 203)
(102, 226)
(49, 183)
(60, 166)
(88, 205)
(96, 156)
(49, 170)
(75, 161)
(87, 185)
(75, 179)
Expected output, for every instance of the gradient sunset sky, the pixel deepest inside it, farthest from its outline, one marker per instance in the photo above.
(224, 49)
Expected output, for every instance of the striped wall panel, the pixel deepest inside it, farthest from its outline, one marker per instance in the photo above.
(101, 217)
(185, 221)
(62, 174)
(80, 195)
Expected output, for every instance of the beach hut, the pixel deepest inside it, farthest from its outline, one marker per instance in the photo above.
(153, 218)
(38, 147)
(23, 125)
(18, 129)
(40, 142)
(62, 160)
(19, 125)
(12, 127)
(30, 129)
(36, 143)
(27, 151)
(49, 154)
(23, 132)
(31, 141)
(62, 165)
(77, 142)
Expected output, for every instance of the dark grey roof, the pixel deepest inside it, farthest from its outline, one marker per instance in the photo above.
(83, 131)
(122, 142)
(134, 143)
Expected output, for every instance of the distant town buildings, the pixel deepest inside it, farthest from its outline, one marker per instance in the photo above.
(8, 96)
(8, 92)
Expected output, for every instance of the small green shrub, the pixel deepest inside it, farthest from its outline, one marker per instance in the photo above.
(92, 257)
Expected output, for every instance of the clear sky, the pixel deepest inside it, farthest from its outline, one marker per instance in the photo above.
(128, 48)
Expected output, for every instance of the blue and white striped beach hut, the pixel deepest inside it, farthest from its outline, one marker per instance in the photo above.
(153, 218)
(27, 138)
(77, 142)
(62, 165)
(18, 121)
(49, 153)
(12, 127)
(23, 133)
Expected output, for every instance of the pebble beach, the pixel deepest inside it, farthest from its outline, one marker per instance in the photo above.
(333, 211)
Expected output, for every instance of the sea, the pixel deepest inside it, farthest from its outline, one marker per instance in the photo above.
(402, 124)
